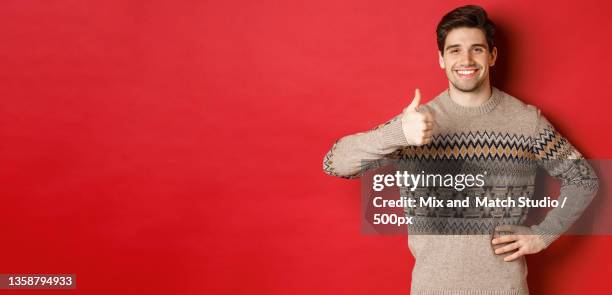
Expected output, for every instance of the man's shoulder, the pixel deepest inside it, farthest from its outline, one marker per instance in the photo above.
(512, 104)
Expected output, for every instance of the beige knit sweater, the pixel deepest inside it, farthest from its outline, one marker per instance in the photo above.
(511, 139)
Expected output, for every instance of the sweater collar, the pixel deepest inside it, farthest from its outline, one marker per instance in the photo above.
(489, 105)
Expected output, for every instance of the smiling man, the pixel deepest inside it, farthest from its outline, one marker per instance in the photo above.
(474, 250)
(466, 55)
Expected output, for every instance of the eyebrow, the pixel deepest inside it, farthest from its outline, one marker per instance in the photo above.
(457, 45)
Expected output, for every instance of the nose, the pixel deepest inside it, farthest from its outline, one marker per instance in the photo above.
(467, 57)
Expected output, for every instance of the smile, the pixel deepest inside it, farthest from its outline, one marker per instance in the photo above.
(466, 73)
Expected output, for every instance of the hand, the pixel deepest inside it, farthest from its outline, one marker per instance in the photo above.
(417, 126)
(522, 239)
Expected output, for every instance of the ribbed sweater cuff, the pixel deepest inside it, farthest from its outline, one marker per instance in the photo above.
(548, 238)
(392, 134)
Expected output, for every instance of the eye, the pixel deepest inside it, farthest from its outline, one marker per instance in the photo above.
(454, 51)
(479, 49)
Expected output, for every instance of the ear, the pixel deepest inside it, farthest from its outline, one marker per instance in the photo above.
(493, 57)
(441, 60)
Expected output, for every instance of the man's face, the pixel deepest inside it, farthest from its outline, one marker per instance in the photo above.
(466, 59)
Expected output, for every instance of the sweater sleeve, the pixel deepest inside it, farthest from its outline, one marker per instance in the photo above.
(352, 155)
(579, 183)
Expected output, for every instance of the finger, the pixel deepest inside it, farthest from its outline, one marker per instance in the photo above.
(434, 122)
(508, 248)
(415, 101)
(507, 227)
(428, 133)
(514, 255)
(427, 140)
(504, 239)
(429, 117)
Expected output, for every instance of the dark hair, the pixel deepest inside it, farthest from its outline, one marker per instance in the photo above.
(469, 16)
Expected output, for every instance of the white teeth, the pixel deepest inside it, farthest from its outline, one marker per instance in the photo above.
(466, 72)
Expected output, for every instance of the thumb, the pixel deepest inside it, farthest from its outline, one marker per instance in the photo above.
(415, 101)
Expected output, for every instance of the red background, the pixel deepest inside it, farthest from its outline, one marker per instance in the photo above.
(175, 147)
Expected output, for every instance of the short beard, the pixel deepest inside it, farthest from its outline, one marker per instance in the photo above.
(471, 89)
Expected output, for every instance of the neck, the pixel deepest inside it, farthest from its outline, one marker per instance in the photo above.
(473, 98)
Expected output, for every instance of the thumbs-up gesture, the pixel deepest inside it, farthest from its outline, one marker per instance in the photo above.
(417, 125)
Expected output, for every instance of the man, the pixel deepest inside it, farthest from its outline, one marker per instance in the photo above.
(474, 122)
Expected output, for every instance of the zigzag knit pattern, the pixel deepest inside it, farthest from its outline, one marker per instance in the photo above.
(549, 144)
(479, 145)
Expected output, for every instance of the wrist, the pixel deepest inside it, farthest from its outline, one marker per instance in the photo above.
(392, 134)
